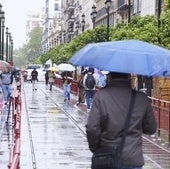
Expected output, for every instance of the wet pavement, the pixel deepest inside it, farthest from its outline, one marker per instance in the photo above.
(53, 134)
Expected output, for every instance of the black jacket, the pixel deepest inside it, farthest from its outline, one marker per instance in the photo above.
(107, 116)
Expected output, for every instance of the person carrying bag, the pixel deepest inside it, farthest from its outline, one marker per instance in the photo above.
(115, 136)
(110, 157)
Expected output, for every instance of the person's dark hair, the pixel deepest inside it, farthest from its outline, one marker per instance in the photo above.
(118, 75)
(91, 70)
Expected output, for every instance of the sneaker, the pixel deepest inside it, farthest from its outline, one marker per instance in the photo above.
(88, 110)
(65, 100)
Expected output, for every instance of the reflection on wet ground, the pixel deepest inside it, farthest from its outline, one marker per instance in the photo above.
(53, 134)
(57, 141)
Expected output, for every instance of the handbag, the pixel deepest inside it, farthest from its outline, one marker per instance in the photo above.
(110, 157)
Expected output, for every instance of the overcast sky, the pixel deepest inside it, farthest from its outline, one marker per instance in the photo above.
(15, 17)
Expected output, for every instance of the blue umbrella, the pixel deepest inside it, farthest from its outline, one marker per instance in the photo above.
(126, 56)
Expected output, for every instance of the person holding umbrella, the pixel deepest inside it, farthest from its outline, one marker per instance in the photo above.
(34, 77)
(106, 123)
(51, 76)
(67, 80)
(46, 77)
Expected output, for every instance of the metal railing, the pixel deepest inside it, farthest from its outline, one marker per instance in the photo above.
(15, 110)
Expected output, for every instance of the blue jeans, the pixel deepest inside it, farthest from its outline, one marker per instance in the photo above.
(131, 168)
(89, 96)
(66, 88)
(6, 91)
(51, 85)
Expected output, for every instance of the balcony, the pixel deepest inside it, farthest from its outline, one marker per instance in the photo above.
(70, 7)
(70, 19)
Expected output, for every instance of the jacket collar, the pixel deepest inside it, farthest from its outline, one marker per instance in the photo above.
(120, 83)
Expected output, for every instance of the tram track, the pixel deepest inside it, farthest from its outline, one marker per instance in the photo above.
(71, 117)
(31, 128)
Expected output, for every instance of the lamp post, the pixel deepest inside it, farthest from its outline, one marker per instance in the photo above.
(83, 22)
(9, 47)
(3, 27)
(7, 35)
(129, 10)
(159, 22)
(2, 20)
(12, 50)
(93, 15)
(64, 36)
(77, 27)
(107, 6)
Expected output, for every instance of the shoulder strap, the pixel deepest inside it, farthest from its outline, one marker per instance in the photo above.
(127, 121)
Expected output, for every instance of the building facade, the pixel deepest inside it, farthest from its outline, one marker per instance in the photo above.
(64, 20)
(52, 24)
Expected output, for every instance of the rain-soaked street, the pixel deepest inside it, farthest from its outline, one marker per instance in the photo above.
(55, 131)
(53, 134)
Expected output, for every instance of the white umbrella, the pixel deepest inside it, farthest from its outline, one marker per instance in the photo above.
(66, 67)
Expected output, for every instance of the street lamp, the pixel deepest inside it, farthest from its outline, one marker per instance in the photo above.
(10, 48)
(129, 10)
(159, 22)
(64, 36)
(77, 27)
(107, 6)
(93, 15)
(7, 36)
(2, 20)
(83, 22)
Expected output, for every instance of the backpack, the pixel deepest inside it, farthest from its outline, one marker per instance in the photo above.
(90, 81)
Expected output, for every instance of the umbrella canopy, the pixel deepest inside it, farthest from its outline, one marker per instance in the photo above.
(5, 66)
(126, 56)
(54, 69)
(66, 67)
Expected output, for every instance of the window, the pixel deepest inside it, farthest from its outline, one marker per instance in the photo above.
(56, 7)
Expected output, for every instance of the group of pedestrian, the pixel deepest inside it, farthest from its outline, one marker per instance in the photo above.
(88, 84)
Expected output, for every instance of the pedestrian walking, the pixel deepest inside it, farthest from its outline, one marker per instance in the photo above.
(34, 77)
(102, 79)
(67, 80)
(6, 80)
(89, 83)
(106, 124)
(46, 77)
(51, 79)
(81, 89)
